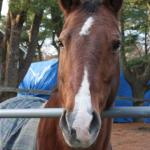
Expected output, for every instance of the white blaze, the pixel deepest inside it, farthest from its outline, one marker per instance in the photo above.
(87, 26)
(83, 106)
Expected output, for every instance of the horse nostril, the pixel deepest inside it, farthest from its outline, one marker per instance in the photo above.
(73, 133)
(95, 123)
(65, 125)
(63, 122)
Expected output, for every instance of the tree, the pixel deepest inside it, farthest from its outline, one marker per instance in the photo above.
(135, 26)
(1, 2)
(26, 27)
(1, 41)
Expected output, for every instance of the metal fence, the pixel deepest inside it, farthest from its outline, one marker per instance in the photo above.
(135, 112)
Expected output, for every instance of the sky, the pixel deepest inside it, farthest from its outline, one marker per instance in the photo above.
(4, 8)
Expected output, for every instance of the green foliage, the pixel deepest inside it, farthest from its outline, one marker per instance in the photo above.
(136, 17)
(32, 5)
(52, 18)
(139, 61)
(18, 6)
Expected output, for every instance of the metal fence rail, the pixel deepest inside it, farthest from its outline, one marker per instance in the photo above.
(136, 112)
(27, 91)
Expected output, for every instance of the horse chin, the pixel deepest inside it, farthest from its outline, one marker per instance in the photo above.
(78, 145)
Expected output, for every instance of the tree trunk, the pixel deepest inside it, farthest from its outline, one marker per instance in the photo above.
(5, 43)
(1, 50)
(12, 57)
(1, 2)
(39, 46)
(11, 52)
(138, 92)
(33, 41)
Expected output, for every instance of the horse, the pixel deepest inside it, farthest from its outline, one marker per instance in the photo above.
(88, 77)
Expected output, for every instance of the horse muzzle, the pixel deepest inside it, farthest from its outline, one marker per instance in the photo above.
(80, 129)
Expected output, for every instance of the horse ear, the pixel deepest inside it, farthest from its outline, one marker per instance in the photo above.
(115, 5)
(68, 5)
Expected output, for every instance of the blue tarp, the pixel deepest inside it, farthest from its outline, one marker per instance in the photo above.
(123, 91)
(126, 91)
(147, 96)
(41, 76)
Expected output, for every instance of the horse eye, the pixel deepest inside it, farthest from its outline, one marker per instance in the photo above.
(60, 44)
(115, 46)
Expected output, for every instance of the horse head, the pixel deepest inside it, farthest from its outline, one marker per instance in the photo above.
(88, 67)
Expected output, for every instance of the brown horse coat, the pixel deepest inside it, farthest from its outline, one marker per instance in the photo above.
(88, 77)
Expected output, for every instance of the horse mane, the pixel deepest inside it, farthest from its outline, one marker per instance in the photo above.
(90, 6)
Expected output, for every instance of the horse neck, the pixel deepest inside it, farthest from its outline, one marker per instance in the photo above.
(53, 101)
(47, 129)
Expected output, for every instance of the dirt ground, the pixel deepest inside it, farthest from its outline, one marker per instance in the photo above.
(135, 136)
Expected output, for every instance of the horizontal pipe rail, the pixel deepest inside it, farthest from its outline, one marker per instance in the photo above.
(31, 113)
(27, 91)
(135, 112)
(125, 112)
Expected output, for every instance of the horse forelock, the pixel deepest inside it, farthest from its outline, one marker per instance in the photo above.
(90, 5)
